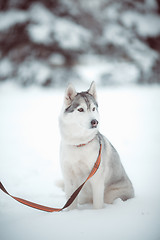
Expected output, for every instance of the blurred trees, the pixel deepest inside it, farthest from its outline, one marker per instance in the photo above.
(50, 42)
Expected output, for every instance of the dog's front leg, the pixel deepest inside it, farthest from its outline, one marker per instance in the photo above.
(98, 194)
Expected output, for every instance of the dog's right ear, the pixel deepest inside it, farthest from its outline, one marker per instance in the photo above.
(92, 90)
(69, 95)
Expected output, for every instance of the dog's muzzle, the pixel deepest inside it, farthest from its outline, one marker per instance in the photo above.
(94, 123)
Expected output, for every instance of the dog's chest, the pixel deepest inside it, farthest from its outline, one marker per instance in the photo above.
(79, 160)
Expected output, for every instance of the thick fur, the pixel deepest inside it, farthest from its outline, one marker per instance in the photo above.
(79, 125)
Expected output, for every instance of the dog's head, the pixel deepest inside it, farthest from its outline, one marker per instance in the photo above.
(80, 111)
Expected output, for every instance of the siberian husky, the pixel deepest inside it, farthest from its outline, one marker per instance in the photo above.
(80, 142)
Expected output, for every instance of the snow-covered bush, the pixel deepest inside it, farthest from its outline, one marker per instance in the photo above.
(50, 42)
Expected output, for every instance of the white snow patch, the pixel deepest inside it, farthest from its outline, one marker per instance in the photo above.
(92, 68)
(71, 35)
(38, 72)
(12, 17)
(144, 56)
(57, 59)
(116, 34)
(29, 165)
(47, 28)
(146, 24)
(6, 68)
(40, 33)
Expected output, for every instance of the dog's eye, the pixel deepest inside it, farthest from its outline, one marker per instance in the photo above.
(94, 109)
(80, 109)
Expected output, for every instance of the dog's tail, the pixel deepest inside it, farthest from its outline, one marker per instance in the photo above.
(60, 184)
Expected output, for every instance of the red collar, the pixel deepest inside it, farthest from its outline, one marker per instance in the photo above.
(83, 144)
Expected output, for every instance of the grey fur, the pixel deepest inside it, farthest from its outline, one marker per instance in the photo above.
(75, 103)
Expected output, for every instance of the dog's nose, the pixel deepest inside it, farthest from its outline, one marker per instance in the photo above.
(94, 123)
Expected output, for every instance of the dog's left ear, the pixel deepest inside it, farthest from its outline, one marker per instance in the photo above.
(69, 95)
(92, 90)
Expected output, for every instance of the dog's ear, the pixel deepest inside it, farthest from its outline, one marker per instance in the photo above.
(69, 94)
(92, 90)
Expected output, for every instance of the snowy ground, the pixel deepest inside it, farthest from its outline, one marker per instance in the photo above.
(29, 165)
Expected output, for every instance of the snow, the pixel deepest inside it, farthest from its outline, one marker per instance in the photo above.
(138, 51)
(40, 30)
(11, 18)
(29, 165)
(145, 24)
(67, 34)
(57, 59)
(71, 35)
(93, 68)
(6, 67)
(115, 30)
(38, 71)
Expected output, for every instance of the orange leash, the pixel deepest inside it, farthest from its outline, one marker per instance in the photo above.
(70, 200)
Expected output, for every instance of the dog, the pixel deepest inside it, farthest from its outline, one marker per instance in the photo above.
(80, 143)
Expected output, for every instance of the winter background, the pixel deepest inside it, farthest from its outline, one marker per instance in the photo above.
(43, 46)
